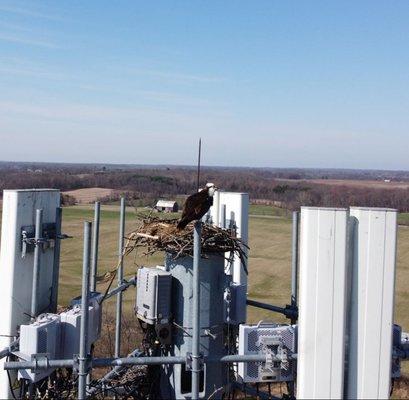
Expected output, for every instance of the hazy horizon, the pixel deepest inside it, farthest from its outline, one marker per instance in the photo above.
(193, 166)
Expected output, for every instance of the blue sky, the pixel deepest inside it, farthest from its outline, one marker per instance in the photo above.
(264, 83)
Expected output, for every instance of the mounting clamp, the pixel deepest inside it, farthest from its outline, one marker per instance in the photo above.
(77, 359)
(47, 240)
(189, 362)
(41, 361)
(76, 365)
(291, 311)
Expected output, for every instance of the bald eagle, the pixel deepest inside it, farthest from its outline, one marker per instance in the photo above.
(197, 205)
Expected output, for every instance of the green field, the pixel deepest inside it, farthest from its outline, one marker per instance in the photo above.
(269, 262)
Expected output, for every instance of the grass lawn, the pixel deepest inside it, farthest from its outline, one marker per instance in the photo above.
(403, 219)
(265, 210)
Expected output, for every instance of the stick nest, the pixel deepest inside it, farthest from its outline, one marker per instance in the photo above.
(156, 235)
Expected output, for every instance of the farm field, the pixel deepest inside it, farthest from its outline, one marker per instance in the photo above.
(89, 195)
(353, 183)
(269, 261)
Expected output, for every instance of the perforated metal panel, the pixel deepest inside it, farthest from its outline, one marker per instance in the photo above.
(253, 339)
(42, 341)
(397, 343)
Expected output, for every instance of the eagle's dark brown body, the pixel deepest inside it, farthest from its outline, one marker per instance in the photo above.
(196, 206)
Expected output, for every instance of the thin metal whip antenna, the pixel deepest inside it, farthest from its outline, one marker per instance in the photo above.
(198, 164)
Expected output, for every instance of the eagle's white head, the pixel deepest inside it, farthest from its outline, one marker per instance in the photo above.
(211, 188)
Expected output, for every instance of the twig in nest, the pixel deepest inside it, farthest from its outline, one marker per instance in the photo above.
(157, 235)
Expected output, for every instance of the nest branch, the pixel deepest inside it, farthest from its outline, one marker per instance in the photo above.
(157, 235)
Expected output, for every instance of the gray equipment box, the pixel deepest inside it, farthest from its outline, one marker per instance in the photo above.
(71, 325)
(153, 297)
(95, 315)
(41, 339)
(71, 329)
(70, 332)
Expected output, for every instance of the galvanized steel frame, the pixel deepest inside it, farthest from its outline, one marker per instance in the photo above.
(84, 362)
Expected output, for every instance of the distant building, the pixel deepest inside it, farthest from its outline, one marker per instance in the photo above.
(167, 206)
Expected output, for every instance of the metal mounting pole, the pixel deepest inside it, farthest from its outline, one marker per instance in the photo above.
(196, 311)
(95, 243)
(120, 279)
(94, 260)
(232, 223)
(44, 363)
(125, 285)
(7, 350)
(114, 373)
(294, 262)
(56, 261)
(223, 216)
(36, 268)
(83, 356)
(289, 311)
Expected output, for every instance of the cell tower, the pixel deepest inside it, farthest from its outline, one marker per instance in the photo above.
(339, 342)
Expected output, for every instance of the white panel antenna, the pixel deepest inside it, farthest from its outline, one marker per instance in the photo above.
(372, 302)
(321, 325)
(19, 209)
(231, 210)
(234, 208)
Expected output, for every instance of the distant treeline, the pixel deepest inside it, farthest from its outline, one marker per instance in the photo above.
(146, 184)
